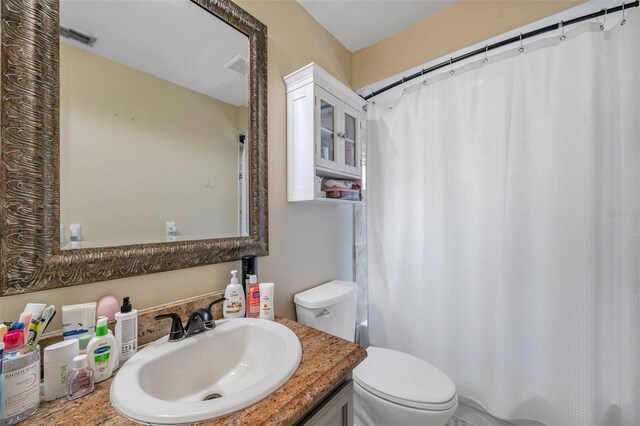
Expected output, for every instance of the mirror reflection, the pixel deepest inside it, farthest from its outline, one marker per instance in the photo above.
(153, 124)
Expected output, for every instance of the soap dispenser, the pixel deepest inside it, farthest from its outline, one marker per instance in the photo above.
(101, 352)
(126, 330)
(234, 305)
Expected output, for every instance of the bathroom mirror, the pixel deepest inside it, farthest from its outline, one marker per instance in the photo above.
(153, 124)
(133, 138)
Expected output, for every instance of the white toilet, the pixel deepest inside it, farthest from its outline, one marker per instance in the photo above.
(391, 387)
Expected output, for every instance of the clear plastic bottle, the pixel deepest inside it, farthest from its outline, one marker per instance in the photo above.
(80, 381)
(20, 378)
(253, 297)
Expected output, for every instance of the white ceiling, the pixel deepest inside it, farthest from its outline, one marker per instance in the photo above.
(361, 23)
(174, 40)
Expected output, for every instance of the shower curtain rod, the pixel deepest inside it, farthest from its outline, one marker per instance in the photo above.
(518, 38)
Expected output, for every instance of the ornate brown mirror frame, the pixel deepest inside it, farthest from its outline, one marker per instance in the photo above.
(31, 256)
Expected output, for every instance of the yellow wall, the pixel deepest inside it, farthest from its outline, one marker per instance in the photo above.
(455, 27)
(309, 244)
(136, 151)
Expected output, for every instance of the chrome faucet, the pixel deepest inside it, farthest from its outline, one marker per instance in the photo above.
(199, 321)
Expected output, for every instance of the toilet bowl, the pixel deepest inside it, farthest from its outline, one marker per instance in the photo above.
(395, 388)
(390, 387)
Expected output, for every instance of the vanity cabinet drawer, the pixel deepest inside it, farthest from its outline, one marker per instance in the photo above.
(335, 410)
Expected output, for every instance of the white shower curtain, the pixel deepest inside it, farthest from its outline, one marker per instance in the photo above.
(504, 228)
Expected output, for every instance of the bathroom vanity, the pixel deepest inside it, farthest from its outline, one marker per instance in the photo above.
(319, 393)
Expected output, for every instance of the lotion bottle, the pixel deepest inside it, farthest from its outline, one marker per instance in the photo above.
(126, 330)
(101, 352)
(234, 305)
(266, 301)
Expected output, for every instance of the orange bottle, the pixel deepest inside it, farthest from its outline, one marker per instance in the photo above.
(253, 297)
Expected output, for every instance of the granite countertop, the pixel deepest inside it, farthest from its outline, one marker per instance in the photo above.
(326, 360)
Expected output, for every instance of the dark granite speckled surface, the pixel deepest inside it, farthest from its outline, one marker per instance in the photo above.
(326, 360)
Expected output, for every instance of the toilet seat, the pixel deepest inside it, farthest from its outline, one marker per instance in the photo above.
(406, 380)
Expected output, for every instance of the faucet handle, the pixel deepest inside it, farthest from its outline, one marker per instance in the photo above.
(215, 302)
(177, 330)
(203, 315)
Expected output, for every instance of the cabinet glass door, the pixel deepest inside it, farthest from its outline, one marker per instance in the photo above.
(327, 130)
(351, 159)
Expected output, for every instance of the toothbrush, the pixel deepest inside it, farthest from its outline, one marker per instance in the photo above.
(45, 320)
(36, 310)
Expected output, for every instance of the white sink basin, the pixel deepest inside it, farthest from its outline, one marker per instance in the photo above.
(243, 360)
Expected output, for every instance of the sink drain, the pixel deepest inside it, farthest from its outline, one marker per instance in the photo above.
(212, 396)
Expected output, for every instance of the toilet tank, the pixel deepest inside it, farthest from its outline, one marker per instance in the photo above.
(329, 307)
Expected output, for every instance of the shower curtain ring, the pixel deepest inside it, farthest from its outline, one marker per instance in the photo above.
(562, 37)
(452, 72)
(404, 83)
(486, 50)
(424, 82)
(624, 19)
(604, 20)
(521, 45)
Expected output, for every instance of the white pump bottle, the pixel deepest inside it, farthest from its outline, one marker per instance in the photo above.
(102, 351)
(234, 306)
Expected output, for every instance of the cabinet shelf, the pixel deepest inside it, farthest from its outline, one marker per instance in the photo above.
(329, 173)
(333, 201)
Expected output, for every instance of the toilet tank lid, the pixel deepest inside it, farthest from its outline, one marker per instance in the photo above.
(325, 295)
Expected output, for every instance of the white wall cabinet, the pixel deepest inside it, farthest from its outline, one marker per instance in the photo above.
(323, 132)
